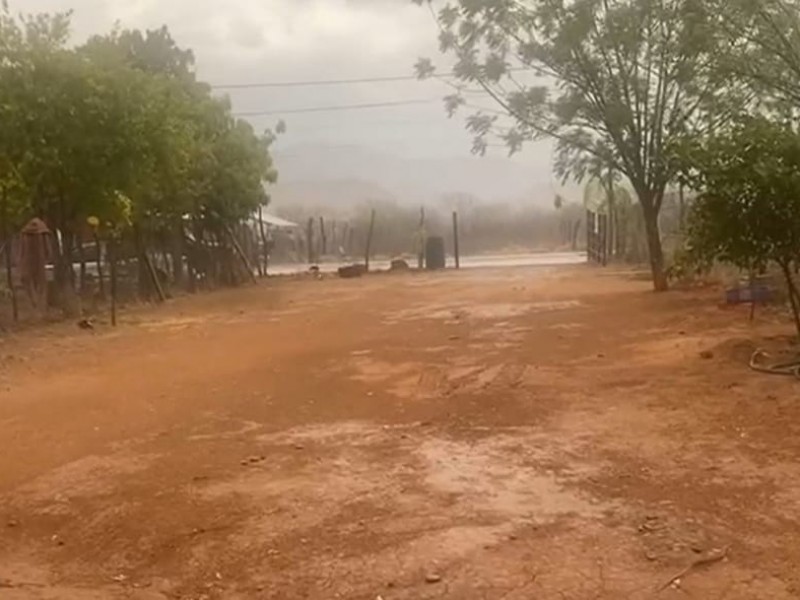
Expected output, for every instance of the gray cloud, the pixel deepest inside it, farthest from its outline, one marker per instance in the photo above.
(239, 41)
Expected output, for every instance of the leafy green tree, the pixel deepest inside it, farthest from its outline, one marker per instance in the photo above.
(200, 161)
(22, 42)
(153, 51)
(748, 212)
(615, 82)
(121, 116)
(762, 47)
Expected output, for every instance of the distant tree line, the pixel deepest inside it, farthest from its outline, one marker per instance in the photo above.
(485, 227)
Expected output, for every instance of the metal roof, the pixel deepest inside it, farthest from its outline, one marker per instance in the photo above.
(275, 221)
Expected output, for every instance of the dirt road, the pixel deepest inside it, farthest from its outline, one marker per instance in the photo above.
(516, 434)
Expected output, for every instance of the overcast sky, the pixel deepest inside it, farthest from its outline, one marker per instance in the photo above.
(243, 41)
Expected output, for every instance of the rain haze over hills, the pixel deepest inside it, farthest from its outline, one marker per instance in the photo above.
(409, 151)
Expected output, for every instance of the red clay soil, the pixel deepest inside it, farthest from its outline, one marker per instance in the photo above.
(509, 434)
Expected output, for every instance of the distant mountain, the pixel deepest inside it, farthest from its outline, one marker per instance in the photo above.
(344, 176)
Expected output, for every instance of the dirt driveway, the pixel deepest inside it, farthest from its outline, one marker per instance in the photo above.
(515, 434)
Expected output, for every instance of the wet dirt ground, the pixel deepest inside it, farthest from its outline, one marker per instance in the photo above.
(488, 434)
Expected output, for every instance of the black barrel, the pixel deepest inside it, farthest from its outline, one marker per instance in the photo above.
(434, 253)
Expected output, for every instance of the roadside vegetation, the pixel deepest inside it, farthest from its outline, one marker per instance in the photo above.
(664, 98)
(125, 158)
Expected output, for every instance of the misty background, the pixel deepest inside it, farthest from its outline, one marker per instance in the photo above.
(336, 159)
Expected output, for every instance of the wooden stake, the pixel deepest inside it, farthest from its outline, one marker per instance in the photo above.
(151, 270)
(9, 245)
(589, 236)
(369, 239)
(421, 235)
(82, 261)
(323, 237)
(112, 251)
(263, 239)
(310, 240)
(242, 256)
(251, 239)
(456, 249)
(99, 260)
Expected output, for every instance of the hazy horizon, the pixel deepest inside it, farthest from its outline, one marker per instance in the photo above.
(275, 41)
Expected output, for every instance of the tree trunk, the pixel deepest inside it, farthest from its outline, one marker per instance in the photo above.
(144, 283)
(368, 251)
(323, 237)
(794, 294)
(575, 230)
(177, 251)
(611, 231)
(310, 240)
(621, 232)
(64, 276)
(196, 256)
(9, 238)
(264, 245)
(655, 250)
(99, 260)
(112, 260)
(82, 261)
(456, 249)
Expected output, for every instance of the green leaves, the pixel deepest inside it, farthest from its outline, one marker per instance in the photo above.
(762, 46)
(620, 83)
(119, 117)
(749, 213)
(626, 76)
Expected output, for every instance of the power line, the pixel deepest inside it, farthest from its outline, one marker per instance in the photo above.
(319, 82)
(330, 82)
(339, 107)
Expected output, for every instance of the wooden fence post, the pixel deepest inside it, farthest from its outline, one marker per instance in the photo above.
(9, 245)
(242, 256)
(323, 237)
(369, 239)
(421, 240)
(455, 240)
(310, 240)
(112, 259)
(263, 239)
(589, 236)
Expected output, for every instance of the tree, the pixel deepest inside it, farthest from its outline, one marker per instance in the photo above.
(201, 162)
(762, 47)
(604, 193)
(22, 40)
(121, 116)
(748, 211)
(65, 113)
(617, 82)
